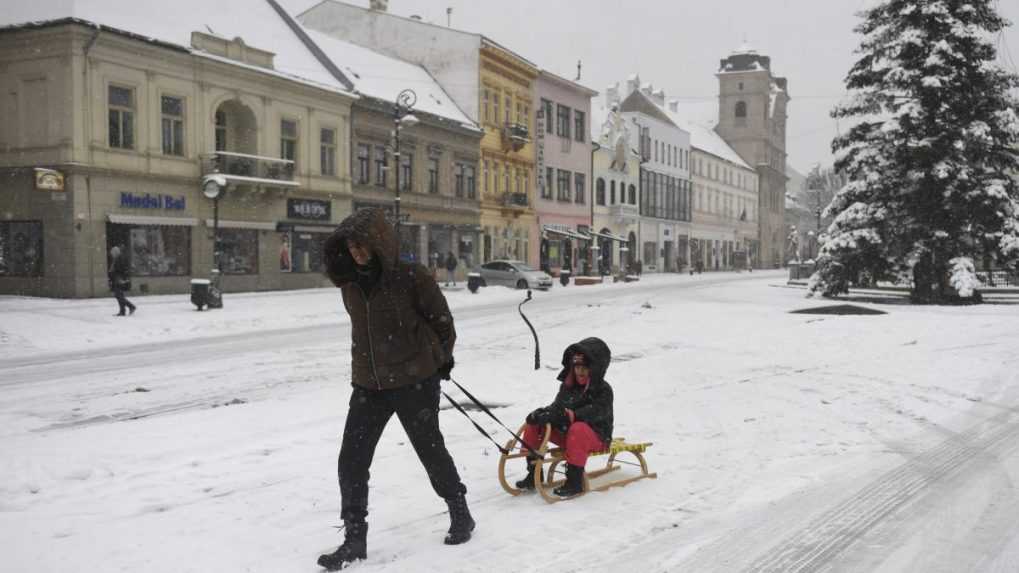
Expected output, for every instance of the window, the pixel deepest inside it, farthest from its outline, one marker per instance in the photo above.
(578, 127)
(472, 186)
(520, 113)
(433, 177)
(240, 251)
(495, 105)
(173, 125)
(288, 140)
(305, 251)
(327, 152)
(547, 107)
(562, 121)
(741, 110)
(599, 191)
(508, 109)
(21, 249)
(458, 179)
(406, 171)
(381, 162)
(527, 118)
(153, 250)
(612, 191)
(220, 131)
(484, 105)
(563, 186)
(486, 180)
(363, 163)
(506, 179)
(633, 195)
(121, 114)
(519, 181)
(580, 188)
(546, 193)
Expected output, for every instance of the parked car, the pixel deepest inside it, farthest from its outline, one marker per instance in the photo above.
(513, 274)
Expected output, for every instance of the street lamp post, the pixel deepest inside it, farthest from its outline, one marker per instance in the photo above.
(213, 187)
(402, 117)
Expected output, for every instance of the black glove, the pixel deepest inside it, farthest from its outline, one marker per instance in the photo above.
(558, 418)
(445, 369)
(539, 417)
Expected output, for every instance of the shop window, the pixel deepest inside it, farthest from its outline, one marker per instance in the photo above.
(239, 251)
(173, 125)
(121, 115)
(327, 157)
(153, 250)
(21, 249)
(301, 252)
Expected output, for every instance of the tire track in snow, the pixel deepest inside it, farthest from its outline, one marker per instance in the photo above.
(816, 545)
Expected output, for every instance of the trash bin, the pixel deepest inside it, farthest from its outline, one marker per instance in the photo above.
(473, 282)
(200, 292)
(564, 277)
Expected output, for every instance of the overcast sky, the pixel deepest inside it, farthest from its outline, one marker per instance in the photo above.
(676, 46)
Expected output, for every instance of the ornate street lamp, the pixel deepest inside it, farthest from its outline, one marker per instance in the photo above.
(402, 118)
(213, 187)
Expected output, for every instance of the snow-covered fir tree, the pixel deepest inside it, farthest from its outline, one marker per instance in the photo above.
(931, 191)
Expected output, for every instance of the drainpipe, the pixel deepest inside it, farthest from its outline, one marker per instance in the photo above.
(87, 134)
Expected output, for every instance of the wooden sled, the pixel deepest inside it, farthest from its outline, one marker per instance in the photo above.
(544, 479)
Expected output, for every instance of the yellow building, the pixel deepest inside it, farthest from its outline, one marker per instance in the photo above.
(507, 155)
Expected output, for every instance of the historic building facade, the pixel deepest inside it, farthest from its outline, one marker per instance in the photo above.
(563, 165)
(752, 120)
(491, 84)
(127, 122)
(616, 175)
(665, 188)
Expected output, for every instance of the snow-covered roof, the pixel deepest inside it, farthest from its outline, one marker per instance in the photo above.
(255, 21)
(704, 137)
(383, 77)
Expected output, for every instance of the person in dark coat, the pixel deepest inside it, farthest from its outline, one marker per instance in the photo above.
(402, 347)
(119, 278)
(451, 263)
(580, 416)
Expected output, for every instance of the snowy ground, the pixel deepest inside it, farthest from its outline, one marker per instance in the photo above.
(183, 441)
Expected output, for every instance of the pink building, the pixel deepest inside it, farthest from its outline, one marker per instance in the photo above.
(563, 168)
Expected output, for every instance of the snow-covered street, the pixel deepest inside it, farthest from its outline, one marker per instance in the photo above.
(175, 440)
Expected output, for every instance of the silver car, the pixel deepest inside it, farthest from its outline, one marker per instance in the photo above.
(513, 274)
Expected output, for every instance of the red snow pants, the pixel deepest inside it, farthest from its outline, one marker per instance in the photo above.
(579, 441)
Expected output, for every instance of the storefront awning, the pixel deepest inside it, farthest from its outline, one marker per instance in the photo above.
(610, 236)
(259, 225)
(565, 233)
(151, 220)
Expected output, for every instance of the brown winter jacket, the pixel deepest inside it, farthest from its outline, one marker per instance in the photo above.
(402, 331)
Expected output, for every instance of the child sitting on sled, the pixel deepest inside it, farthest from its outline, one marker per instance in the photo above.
(580, 415)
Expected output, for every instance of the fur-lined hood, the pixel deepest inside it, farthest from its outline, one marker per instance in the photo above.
(368, 227)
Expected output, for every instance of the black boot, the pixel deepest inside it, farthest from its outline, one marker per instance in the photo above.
(461, 524)
(574, 482)
(355, 547)
(528, 482)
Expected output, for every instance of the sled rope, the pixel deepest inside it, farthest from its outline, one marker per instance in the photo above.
(485, 409)
(537, 351)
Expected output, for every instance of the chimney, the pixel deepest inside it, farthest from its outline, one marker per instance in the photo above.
(378, 5)
(659, 97)
(674, 105)
(632, 84)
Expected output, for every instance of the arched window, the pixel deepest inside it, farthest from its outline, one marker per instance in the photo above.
(599, 191)
(612, 192)
(633, 195)
(741, 109)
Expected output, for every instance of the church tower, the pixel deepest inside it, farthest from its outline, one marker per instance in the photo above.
(752, 120)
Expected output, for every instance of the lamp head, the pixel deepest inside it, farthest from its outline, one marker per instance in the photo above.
(213, 185)
(409, 120)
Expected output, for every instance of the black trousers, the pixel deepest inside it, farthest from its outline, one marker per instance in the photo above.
(118, 293)
(417, 408)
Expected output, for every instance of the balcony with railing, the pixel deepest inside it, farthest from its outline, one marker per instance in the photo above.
(515, 201)
(515, 136)
(245, 169)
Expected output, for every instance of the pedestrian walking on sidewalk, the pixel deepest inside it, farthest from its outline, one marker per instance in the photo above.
(119, 278)
(451, 263)
(402, 347)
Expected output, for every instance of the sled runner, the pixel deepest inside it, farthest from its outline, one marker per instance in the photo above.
(544, 468)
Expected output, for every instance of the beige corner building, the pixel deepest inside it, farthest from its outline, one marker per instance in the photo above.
(111, 121)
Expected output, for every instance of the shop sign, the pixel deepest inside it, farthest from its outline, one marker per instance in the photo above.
(152, 201)
(539, 120)
(48, 180)
(309, 209)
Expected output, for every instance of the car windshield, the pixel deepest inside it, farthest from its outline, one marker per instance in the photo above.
(523, 268)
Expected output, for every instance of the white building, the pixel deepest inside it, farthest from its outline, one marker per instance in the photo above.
(616, 176)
